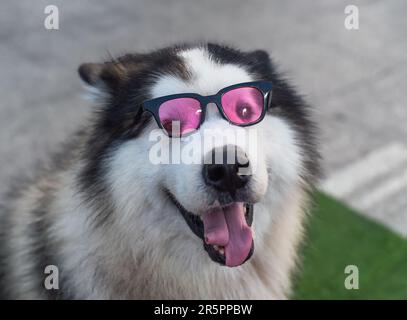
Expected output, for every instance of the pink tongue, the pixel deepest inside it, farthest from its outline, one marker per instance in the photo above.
(228, 228)
(215, 228)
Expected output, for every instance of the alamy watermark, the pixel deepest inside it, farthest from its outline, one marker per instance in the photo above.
(51, 281)
(352, 278)
(51, 21)
(352, 17)
(206, 146)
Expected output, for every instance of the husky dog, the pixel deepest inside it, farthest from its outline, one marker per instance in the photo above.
(118, 226)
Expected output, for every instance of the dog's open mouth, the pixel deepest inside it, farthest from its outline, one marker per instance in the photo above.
(225, 231)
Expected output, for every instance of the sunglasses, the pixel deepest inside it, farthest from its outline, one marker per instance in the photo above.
(243, 104)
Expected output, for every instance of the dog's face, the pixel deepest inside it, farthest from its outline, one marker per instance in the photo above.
(169, 192)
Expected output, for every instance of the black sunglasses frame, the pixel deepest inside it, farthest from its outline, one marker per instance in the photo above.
(153, 105)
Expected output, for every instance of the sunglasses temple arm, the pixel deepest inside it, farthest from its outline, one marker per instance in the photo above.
(268, 100)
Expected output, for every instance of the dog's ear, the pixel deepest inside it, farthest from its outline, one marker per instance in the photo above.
(260, 57)
(103, 76)
(261, 61)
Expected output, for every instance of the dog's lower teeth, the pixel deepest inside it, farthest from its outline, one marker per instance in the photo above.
(219, 249)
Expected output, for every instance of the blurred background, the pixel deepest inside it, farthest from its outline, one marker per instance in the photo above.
(356, 80)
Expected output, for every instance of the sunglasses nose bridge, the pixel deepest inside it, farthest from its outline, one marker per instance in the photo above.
(212, 106)
(208, 100)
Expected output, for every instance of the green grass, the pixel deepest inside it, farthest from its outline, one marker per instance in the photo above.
(337, 237)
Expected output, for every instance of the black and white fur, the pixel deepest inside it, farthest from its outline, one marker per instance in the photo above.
(100, 212)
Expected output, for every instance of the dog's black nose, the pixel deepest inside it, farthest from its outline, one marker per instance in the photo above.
(226, 169)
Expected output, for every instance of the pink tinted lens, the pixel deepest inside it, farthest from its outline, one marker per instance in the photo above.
(243, 105)
(180, 116)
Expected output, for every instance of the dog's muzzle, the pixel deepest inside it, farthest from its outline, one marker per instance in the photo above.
(225, 226)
